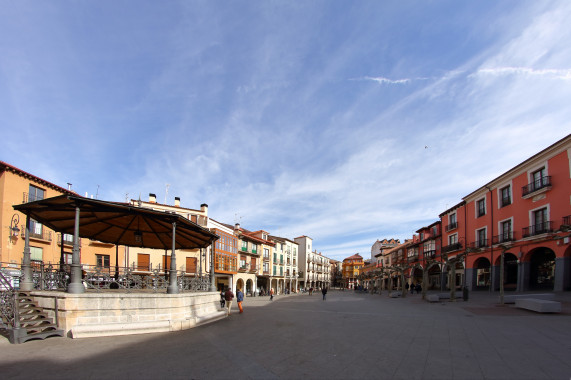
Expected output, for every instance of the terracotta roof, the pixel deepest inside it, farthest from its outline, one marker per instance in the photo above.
(355, 256)
(7, 167)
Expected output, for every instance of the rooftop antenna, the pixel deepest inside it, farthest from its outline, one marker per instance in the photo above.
(166, 192)
(126, 197)
(97, 193)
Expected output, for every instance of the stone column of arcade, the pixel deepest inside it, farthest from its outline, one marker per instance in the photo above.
(173, 286)
(76, 286)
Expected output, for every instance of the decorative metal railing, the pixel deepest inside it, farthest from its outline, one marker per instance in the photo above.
(537, 229)
(451, 247)
(536, 185)
(8, 302)
(503, 238)
(52, 277)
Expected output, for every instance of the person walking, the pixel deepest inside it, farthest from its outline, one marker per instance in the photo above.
(228, 296)
(222, 299)
(240, 299)
(324, 292)
(271, 294)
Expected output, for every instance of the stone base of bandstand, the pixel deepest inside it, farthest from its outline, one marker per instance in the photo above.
(112, 313)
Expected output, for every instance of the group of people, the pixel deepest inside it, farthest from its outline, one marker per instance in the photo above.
(227, 296)
(413, 287)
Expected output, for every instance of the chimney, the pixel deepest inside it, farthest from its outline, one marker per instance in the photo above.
(152, 198)
(204, 209)
(176, 201)
(69, 186)
(237, 226)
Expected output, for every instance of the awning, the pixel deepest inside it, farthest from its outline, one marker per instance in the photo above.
(117, 223)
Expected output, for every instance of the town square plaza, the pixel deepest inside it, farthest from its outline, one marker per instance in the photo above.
(350, 335)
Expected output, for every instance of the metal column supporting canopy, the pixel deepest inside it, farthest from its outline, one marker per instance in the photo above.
(117, 223)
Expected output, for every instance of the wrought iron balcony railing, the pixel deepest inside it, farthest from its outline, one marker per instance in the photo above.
(536, 185)
(452, 247)
(503, 238)
(451, 226)
(482, 243)
(42, 234)
(538, 229)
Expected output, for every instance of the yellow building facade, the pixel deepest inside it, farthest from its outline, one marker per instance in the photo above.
(47, 247)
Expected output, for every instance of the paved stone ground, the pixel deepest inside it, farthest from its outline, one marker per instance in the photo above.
(348, 336)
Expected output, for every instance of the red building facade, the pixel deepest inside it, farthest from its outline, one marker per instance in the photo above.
(521, 218)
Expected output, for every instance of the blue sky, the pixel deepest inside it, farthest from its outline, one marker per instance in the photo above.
(347, 121)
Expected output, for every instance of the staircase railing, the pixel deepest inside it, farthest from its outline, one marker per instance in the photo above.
(8, 303)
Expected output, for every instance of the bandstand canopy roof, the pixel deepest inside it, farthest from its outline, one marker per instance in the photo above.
(117, 223)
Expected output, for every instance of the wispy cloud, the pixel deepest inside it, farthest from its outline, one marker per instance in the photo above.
(383, 80)
(564, 74)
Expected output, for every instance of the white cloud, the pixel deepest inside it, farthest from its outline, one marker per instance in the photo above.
(564, 74)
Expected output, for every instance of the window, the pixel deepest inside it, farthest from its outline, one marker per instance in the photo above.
(244, 245)
(35, 194)
(505, 196)
(254, 248)
(143, 261)
(452, 222)
(191, 264)
(481, 238)
(242, 262)
(36, 229)
(481, 207)
(506, 228)
(266, 253)
(36, 254)
(452, 239)
(537, 178)
(102, 261)
(266, 268)
(541, 225)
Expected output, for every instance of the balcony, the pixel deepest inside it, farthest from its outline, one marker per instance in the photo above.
(430, 253)
(451, 247)
(503, 238)
(67, 239)
(243, 268)
(31, 198)
(566, 222)
(538, 229)
(253, 269)
(266, 258)
(39, 235)
(544, 183)
(452, 226)
(482, 243)
(412, 258)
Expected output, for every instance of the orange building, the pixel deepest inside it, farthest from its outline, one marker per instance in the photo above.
(352, 266)
(47, 246)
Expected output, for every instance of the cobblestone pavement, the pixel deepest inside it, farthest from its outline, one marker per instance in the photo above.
(348, 336)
